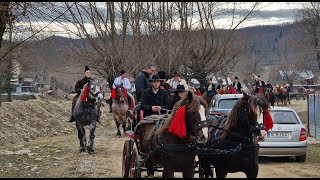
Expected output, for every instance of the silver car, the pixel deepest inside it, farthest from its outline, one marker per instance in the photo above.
(288, 137)
(223, 103)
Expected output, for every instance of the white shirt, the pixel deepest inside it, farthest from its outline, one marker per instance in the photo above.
(124, 81)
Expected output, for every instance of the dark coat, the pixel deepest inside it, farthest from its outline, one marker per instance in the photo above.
(238, 86)
(149, 99)
(79, 85)
(141, 83)
(269, 86)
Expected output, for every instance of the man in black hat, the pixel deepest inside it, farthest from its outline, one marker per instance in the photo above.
(154, 99)
(121, 80)
(237, 85)
(78, 87)
(142, 80)
(179, 93)
(259, 84)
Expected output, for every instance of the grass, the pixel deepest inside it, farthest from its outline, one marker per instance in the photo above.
(303, 116)
(313, 153)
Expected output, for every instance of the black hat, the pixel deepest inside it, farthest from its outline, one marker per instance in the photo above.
(180, 88)
(87, 69)
(122, 72)
(236, 77)
(155, 77)
(162, 74)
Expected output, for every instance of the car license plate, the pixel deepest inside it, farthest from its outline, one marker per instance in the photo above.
(278, 134)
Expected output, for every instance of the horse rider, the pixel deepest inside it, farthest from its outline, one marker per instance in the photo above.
(142, 80)
(259, 84)
(210, 88)
(154, 99)
(124, 81)
(237, 85)
(269, 87)
(220, 85)
(179, 93)
(176, 80)
(78, 87)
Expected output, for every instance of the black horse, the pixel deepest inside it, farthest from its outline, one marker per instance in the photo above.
(240, 127)
(87, 113)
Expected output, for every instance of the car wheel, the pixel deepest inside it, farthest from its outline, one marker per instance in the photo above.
(301, 158)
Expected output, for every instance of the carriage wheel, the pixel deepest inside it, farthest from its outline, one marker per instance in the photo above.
(134, 171)
(126, 157)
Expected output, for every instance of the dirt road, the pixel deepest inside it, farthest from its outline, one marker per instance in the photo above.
(59, 157)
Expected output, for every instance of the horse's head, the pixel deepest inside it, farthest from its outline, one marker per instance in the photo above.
(245, 115)
(195, 115)
(120, 93)
(94, 93)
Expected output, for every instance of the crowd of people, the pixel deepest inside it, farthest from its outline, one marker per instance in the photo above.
(156, 94)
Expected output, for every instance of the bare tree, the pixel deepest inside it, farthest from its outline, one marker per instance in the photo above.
(310, 18)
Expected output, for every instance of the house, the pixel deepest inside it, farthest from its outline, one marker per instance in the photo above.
(31, 81)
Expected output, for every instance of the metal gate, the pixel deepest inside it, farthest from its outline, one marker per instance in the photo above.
(314, 115)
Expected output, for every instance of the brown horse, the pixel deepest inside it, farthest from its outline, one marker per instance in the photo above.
(171, 160)
(120, 107)
(282, 95)
(239, 127)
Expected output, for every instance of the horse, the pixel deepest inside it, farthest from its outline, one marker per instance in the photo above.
(120, 107)
(269, 95)
(87, 112)
(191, 109)
(239, 127)
(282, 95)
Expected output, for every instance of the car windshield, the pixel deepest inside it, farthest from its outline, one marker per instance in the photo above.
(227, 103)
(284, 117)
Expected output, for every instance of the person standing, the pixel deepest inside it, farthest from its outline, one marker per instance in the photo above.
(142, 80)
(176, 80)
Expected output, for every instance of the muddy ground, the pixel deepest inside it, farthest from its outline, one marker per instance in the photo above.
(58, 156)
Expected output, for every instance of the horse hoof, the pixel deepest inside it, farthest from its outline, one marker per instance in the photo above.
(90, 150)
(82, 150)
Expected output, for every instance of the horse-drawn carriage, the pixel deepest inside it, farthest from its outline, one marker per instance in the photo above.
(154, 146)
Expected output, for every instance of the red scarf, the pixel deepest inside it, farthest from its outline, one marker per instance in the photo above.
(85, 93)
(260, 90)
(178, 124)
(267, 121)
(114, 93)
(199, 93)
(232, 90)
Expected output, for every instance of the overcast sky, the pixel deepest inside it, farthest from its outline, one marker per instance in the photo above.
(270, 13)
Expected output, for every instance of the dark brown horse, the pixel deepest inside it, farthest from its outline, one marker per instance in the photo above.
(172, 161)
(239, 127)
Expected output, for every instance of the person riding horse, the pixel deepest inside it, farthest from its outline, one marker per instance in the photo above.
(78, 87)
(123, 81)
(154, 99)
(259, 85)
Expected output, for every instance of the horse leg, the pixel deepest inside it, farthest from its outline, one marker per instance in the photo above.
(92, 136)
(117, 124)
(187, 172)
(150, 169)
(205, 166)
(253, 171)
(82, 137)
(220, 173)
(168, 172)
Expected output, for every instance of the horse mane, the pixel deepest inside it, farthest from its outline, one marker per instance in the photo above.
(238, 115)
(191, 107)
